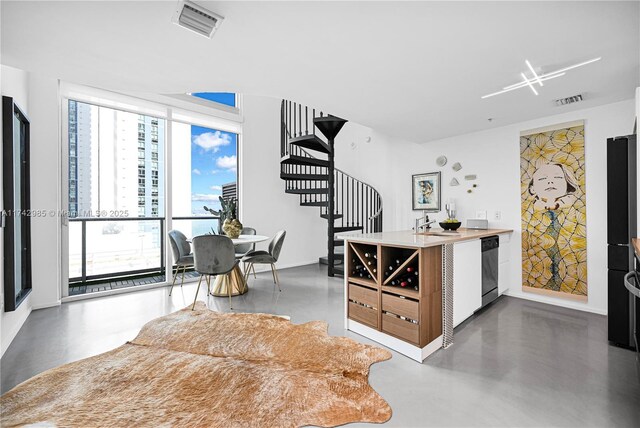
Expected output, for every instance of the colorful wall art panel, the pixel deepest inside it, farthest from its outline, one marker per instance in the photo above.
(554, 213)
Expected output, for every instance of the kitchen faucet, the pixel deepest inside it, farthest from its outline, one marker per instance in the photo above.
(423, 222)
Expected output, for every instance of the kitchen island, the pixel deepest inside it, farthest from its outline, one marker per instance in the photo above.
(399, 286)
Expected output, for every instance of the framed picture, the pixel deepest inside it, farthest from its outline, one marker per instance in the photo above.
(426, 191)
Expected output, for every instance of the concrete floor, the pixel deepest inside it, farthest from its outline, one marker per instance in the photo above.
(518, 363)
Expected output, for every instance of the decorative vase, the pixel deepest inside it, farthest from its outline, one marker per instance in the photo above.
(232, 228)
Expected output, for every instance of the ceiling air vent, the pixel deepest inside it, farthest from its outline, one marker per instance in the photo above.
(569, 100)
(197, 19)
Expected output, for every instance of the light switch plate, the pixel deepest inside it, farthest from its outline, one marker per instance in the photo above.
(481, 214)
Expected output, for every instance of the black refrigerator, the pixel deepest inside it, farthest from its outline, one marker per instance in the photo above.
(621, 227)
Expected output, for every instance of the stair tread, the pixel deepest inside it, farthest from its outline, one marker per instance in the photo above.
(316, 191)
(303, 160)
(313, 177)
(335, 217)
(314, 204)
(329, 125)
(338, 229)
(311, 142)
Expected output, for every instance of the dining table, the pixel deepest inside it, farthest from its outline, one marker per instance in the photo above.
(236, 278)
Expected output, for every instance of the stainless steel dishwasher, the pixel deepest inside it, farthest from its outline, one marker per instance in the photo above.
(489, 269)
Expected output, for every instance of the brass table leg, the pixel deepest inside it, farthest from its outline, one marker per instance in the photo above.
(235, 280)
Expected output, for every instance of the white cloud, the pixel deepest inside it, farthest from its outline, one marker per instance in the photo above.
(214, 171)
(215, 187)
(212, 140)
(227, 162)
(203, 197)
(196, 171)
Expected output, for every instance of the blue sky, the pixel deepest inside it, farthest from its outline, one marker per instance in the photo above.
(227, 98)
(213, 163)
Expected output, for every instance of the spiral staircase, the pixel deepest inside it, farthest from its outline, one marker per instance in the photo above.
(307, 167)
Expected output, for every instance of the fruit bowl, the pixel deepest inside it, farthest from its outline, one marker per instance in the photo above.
(450, 225)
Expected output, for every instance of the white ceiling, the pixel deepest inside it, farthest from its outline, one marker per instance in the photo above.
(412, 70)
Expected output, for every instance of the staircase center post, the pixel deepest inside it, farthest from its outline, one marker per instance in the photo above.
(331, 211)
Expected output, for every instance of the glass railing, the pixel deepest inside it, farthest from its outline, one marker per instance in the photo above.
(195, 226)
(112, 248)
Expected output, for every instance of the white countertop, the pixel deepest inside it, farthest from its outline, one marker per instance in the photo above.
(409, 238)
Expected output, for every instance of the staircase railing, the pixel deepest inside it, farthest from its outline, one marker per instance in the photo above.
(359, 203)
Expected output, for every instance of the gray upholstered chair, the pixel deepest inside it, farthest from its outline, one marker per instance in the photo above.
(213, 255)
(182, 256)
(270, 257)
(243, 249)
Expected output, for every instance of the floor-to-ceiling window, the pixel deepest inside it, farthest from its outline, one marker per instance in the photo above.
(119, 211)
(116, 192)
(204, 163)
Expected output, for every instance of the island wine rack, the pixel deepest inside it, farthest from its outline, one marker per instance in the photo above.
(396, 290)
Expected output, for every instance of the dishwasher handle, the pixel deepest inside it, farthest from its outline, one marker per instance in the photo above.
(489, 243)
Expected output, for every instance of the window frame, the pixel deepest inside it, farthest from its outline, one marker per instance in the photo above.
(180, 108)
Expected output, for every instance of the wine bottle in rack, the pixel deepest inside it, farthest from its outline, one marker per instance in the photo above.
(412, 283)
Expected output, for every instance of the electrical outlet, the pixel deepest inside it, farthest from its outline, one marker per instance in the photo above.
(481, 215)
(498, 215)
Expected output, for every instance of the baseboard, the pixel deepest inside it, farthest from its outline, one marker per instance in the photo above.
(554, 302)
(267, 268)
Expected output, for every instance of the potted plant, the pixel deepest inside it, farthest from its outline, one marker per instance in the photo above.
(228, 223)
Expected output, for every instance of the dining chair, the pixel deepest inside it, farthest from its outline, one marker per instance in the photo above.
(213, 255)
(182, 255)
(269, 257)
(243, 249)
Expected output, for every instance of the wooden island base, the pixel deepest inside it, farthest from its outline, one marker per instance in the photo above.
(394, 296)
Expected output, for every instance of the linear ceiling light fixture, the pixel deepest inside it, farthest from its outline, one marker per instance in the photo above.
(534, 73)
(538, 78)
(529, 83)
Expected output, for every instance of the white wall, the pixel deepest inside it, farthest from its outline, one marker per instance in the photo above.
(494, 156)
(38, 96)
(15, 84)
(386, 164)
(263, 203)
(46, 182)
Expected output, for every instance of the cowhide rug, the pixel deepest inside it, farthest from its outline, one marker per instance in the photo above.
(208, 369)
